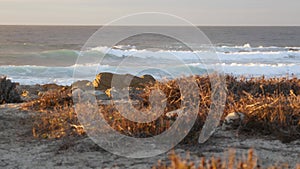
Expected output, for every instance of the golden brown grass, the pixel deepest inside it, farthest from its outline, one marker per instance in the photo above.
(232, 162)
(56, 116)
(272, 107)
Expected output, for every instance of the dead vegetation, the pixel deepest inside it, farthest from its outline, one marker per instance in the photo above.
(56, 116)
(272, 107)
(229, 162)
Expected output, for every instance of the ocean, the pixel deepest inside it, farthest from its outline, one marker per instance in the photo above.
(51, 54)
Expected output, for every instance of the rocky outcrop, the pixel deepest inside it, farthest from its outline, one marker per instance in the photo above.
(32, 92)
(29, 92)
(8, 92)
(107, 80)
(83, 85)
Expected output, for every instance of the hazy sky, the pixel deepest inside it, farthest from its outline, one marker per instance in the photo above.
(199, 12)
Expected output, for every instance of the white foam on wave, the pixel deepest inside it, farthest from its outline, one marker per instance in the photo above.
(268, 70)
(264, 56)
(257, 69)
(258, 65)
(237, 60)
(64, 75)
(143, 53)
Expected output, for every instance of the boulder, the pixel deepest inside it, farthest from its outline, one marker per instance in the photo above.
(29, 92)
(107, 80)
(8, 92)
(83, 85)
(32, 92)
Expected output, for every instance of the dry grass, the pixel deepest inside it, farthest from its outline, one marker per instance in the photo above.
(272, 107)
(231, 162)
(56, 116)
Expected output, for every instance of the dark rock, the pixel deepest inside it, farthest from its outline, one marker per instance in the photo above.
(83, 85)
(52, 86)
(82, 88)
(29, 92)
(107, 80)
(32, 92)
(8, 92)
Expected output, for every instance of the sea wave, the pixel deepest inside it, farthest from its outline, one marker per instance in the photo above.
(243, 53)
(263, 54)
(236, 60)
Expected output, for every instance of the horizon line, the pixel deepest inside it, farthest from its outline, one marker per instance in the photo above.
(94, 25)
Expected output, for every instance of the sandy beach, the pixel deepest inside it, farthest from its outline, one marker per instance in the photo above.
(21, 148)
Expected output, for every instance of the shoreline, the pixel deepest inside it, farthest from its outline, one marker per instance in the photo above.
(238, 77)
